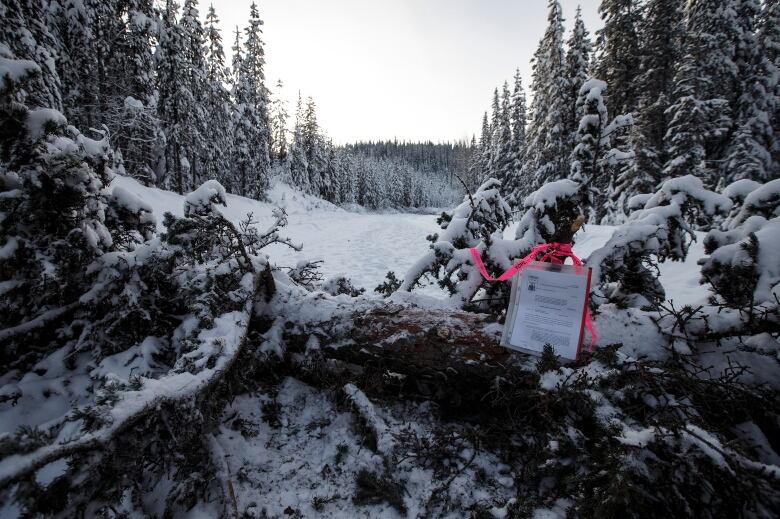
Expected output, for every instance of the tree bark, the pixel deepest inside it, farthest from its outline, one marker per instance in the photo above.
(448, 356)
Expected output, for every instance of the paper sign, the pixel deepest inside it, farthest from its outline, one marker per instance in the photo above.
(547, 306)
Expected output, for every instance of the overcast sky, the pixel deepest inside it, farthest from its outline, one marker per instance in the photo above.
(411, 69)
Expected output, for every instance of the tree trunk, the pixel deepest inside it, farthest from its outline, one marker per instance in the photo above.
(448, 356)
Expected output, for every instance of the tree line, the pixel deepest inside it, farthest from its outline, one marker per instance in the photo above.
(153, 78)
(694, 85)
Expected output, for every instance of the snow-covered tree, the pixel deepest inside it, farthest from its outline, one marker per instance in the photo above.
(477, 222)
(251, 125)
(256, 98)
(299, 165)
(578, 53)
(661, 39)
(518, 122)
(175, 99)
(198, 89)
(618, 53)
(749, 152)
(70, 23)
(553, 213)
(279, 124)
(25, 36)
(217, 107)
(56, 177)
(312, 141)
(769, 42)
(743, 272)
(547, 150)
(503, 152)
(331, 188)
(701, 115)
(485, 147)
(474, 169)
(660, 228)
(597, 158)
(493, 164)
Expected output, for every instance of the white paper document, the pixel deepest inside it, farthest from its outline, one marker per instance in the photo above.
(547, 306)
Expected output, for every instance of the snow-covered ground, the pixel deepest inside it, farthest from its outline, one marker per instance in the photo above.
(364, 247)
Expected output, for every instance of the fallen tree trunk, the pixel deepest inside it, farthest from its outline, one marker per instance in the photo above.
(448, 356)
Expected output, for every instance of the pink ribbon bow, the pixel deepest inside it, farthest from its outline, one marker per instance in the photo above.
(555, 253)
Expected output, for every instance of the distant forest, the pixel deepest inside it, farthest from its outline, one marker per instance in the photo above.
(153, 78)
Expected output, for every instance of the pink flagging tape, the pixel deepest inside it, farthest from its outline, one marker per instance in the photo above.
(556, 253)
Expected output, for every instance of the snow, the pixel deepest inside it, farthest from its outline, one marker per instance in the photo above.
(364, 247)
(133, 104)
(38, 119)
(304, 458)
(679, 189)
(548, 194)
(204, 199)
(15, 69)
(741, 188)
(764, 194)
(50, 472)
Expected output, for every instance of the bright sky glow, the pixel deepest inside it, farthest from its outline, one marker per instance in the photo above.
(411, 69)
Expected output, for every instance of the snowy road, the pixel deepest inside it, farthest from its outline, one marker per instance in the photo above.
(364, 247)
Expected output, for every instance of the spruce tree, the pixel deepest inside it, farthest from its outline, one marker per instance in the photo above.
(547, 156)
(769, 42)
(503, 152)
(474, 167)
(279, 125)
(579, 49)
(749, 153)
(250, 116)
(25, 34)
(596, 160)
(107, 29)
(298, 164)
(494, 160)
(312, 145)
(217, 104)
(518, 122)
(485, 146)
(254, 96)
(661, 37)
(197, 88)
(618, 52)
(175, 100)
(701, 115)
(137, 46)
(76, 65)
(332, 188)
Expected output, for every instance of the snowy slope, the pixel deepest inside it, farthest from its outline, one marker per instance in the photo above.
(364, 247)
